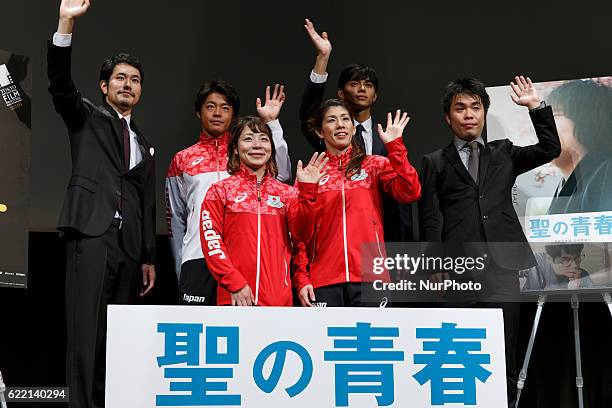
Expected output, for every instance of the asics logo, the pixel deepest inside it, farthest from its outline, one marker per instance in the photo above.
(240, 198)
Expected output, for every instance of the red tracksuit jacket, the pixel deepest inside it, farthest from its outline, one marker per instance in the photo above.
(244, 231)
(349, 214)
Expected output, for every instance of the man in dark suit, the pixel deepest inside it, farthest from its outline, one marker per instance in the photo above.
(108, 216)
(467, 194)
(358, 86)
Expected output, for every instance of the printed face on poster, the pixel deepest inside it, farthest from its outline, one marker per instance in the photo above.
(565, 206)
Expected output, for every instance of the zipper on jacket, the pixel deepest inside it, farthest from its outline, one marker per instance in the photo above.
(217, 158)
(286, 272)
(258, 242)
(344, 225)
(378, 243)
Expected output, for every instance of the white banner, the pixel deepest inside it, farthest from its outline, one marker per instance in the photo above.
(187, 356)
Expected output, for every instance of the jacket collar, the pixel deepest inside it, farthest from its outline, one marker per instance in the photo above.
(334, 161)
(246, 175)
(206, 138)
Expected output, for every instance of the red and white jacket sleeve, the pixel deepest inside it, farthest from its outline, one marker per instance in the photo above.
(176, 211)
(300, 214)
(213, 247)
(398, 178)
(299, 264)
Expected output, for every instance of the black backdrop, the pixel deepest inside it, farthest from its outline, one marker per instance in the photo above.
(415, 47)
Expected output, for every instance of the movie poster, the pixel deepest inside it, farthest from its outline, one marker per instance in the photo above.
(565, 206)
(15, 126)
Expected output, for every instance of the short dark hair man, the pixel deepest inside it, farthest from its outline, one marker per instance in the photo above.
(467, 188)
(358, 86)
(108, 215)
(195, 168)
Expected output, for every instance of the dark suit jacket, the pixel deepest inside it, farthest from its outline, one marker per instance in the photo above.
(588, 188)
(454, 208)
(398, 217)
(99, 179)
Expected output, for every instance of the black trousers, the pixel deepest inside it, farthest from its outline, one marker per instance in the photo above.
(346, 295)
(196, 284)
(500, 290)
(98, 273)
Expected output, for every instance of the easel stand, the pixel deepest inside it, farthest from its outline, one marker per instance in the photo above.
(2, 389)
(579, 380)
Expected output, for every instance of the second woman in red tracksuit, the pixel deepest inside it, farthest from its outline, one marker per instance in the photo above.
(348, 216)
(246, 219)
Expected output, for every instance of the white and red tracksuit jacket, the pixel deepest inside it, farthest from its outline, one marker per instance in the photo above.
(349, 214)
(244, 231)
(190, 174)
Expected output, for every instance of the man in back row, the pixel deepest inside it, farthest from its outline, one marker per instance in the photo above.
(358, 87)
(195, 168)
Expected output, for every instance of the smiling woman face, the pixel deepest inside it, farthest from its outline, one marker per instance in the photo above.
(254, 149)
(337, 129)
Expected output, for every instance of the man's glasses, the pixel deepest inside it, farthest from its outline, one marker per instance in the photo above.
(567, 260)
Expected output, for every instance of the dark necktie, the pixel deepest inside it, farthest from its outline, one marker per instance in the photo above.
(126, 143)
(359, 137)
(473, 160)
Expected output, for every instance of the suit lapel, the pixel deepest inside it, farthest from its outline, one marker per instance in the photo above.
(114, 118)
(378, 146)
(450, 152)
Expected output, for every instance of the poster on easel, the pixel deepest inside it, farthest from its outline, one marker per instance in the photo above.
(15, 129)
(565, 206)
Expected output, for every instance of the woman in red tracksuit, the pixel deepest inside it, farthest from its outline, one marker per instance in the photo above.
(348, 217)
(246, 219)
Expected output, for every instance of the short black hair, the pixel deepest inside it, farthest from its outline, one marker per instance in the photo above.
(589, 105)
(221, 87)
(106, 70)
(357, 72)
(469, 86)
(571, 249)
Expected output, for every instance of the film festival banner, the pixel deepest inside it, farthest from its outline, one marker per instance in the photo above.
(180, 356)
(565, 206)
(15, 122)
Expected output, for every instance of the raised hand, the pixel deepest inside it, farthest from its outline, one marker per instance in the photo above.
(272, 107)
(321, 42)
(525, 93)
(315, 169)
(69, 11)
(73, 8)
(395, 126)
